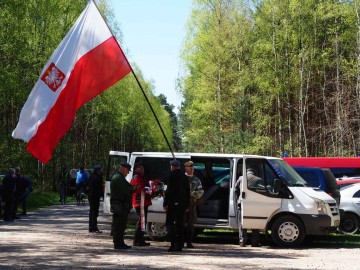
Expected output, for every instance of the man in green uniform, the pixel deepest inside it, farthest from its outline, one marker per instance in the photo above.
(121, 194)
(196, 191)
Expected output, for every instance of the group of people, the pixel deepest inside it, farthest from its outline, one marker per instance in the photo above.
(180, 200)
(181, 195)
(14, 191)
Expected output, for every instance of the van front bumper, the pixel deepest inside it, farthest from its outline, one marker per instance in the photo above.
(317, 224)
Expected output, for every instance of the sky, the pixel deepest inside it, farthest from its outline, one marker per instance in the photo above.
(153, 32)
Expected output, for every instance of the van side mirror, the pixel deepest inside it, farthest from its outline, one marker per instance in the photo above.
(277, 185)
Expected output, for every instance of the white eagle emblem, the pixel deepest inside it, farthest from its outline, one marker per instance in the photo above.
(53, 77)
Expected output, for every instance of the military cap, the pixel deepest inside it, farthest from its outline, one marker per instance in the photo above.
(189, 164)
(126, 165)
(175, 163)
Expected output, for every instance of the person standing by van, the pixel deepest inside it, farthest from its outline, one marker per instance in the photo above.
(121, 193)
(95, 193)
(176, 202)
(196, 191)
(141, 200)
(252, 182)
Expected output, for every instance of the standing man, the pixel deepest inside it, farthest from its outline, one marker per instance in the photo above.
(141, 200)
(121, 193)
(176, 202)
(196, 191)
(9, 194)
(24, 190)
(242, 232)
(81, 181)
(252, 179)
(64, 181)
(95, 193)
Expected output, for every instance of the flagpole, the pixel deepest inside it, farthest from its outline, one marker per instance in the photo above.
(139, 84)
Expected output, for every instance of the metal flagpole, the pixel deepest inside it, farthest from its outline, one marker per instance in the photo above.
(142, 90)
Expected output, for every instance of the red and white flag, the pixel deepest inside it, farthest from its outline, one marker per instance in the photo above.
(87, 62)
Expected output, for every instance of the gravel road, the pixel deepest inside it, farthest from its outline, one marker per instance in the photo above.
(58, 238)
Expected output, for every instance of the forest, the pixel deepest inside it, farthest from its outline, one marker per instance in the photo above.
(272, 77)
(264, 77)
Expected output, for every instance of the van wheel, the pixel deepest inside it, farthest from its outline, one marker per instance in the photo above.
(157, 231)
(287, 231)
(349, 224)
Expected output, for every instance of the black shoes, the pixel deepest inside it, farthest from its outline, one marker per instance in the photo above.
(141, 244)
(189, 245)
(174, 249)
(122, 246)
(242, 244)
(96, 230)
(256, 245)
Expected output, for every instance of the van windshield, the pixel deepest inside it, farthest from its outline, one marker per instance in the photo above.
(287, 173)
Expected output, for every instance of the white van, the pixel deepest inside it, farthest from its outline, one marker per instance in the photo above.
(284, 204)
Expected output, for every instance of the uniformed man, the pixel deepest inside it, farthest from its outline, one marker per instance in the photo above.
(176, 202)
(121, 193)
(196, 191)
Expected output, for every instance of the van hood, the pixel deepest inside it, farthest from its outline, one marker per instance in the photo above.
(314, 193)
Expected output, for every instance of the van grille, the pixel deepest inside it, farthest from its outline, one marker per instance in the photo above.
(334, 209)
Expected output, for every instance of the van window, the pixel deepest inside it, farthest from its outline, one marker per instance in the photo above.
(260, 175)
(157, 168)
(310, 177)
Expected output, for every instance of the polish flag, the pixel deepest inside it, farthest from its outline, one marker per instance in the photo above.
(87, 62)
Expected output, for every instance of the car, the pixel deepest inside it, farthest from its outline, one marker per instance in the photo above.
(350, 204)
(343, 182)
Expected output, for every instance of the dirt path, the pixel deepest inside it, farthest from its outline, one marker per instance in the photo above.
(58, 238)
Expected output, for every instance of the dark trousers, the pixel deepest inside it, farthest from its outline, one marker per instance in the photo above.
(63, 189)
(175, 225)
(23, 199)
(9, 208)
(119, 223)
(94, 213)
(191, 216)
(139, 234)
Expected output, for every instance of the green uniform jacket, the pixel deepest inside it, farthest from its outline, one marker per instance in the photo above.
(121, 190)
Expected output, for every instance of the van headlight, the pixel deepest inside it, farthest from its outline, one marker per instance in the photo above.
(321, 206)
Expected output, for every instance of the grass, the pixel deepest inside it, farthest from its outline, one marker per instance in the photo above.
(38, 200)
(334, 240)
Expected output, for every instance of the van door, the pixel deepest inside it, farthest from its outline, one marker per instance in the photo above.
(260, 202)
(115, 158)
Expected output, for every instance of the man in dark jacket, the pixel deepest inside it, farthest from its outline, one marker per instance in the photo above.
(176, 202)
(95, 193)
(9, 195)
(121, 194)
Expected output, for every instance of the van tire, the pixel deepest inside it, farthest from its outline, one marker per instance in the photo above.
(157, 231)
(287, 231)
(349, 224)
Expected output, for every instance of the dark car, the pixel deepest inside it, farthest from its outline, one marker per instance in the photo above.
(321, 178)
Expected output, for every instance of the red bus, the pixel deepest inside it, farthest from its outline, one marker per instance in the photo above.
(341, 167)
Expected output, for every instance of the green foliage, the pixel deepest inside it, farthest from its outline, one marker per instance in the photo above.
(271, 77)
(38, 200)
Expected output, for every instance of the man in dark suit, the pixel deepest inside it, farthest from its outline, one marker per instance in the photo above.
(176, 203)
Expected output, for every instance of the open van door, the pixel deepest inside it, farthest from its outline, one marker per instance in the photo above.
(115, 158)
(261, 198)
